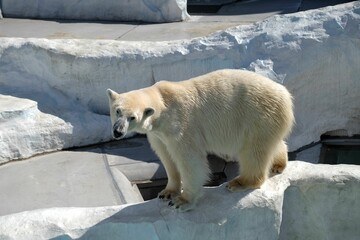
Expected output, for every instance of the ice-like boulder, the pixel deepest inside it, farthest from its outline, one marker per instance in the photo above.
(18, 119)
(305, 202)
(28, 128)
(134, 10)
(313, 53)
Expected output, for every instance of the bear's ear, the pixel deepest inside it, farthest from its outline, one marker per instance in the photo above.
(111, 94)
(149, 111)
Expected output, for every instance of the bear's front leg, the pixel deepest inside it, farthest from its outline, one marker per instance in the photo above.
(194, 172)
(173, 186)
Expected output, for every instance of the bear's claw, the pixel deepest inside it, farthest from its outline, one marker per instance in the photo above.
(241, 184)
(167, 194)
(276, 168)
(181, 204)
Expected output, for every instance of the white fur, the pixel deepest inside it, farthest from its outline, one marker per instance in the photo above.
(235, 113)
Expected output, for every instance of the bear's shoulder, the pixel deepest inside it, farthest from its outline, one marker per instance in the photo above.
(167, 88)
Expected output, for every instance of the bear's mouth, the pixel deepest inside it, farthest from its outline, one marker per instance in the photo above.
(118, 135)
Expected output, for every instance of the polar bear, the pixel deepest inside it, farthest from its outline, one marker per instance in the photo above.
(234, 113)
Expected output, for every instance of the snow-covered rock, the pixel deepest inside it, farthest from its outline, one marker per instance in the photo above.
(314, 53)
(305, 202)
(134, 10)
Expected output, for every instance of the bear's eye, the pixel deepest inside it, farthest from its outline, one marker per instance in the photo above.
(131, 119)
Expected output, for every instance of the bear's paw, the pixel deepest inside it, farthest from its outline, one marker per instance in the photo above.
(277, 168)
(181, 204)
(167, 194)
(241, 184)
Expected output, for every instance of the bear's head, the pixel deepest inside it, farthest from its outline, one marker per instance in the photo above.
(129, 112)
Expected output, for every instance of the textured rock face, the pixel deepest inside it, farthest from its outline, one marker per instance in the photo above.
(28, 128)
(19, 119)
(134, 10)
(316, 61)
(305, 202)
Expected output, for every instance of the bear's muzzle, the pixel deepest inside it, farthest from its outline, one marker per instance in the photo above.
(119, 129)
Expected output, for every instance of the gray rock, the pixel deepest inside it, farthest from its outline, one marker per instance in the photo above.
(134, 10)
(64, 179)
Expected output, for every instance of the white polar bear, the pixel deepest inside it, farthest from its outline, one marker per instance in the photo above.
(233, 113)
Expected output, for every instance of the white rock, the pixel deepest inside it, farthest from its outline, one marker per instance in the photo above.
(129, 192)
(134, 10)
(305, 202)
(25, 130)
(12, 107)
(316, 60)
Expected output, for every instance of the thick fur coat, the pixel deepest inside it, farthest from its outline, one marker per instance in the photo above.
(233, 113)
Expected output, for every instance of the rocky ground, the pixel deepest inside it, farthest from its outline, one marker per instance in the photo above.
(307, 201)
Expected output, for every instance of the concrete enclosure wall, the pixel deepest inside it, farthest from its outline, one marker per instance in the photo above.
(118, 10)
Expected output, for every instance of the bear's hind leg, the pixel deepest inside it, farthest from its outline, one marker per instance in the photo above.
(254, 168)
(280, 158)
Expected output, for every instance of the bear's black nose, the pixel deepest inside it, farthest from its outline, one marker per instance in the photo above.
(117, 134)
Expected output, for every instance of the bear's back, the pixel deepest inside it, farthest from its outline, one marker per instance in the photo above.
(221, 105)
(225, 86)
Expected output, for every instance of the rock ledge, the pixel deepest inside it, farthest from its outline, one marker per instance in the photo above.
(305, 202)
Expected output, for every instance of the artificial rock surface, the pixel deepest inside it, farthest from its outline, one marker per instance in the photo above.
(305, 202)
(316, 60)
(114, 10)
(29, 127)
(75, 178)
